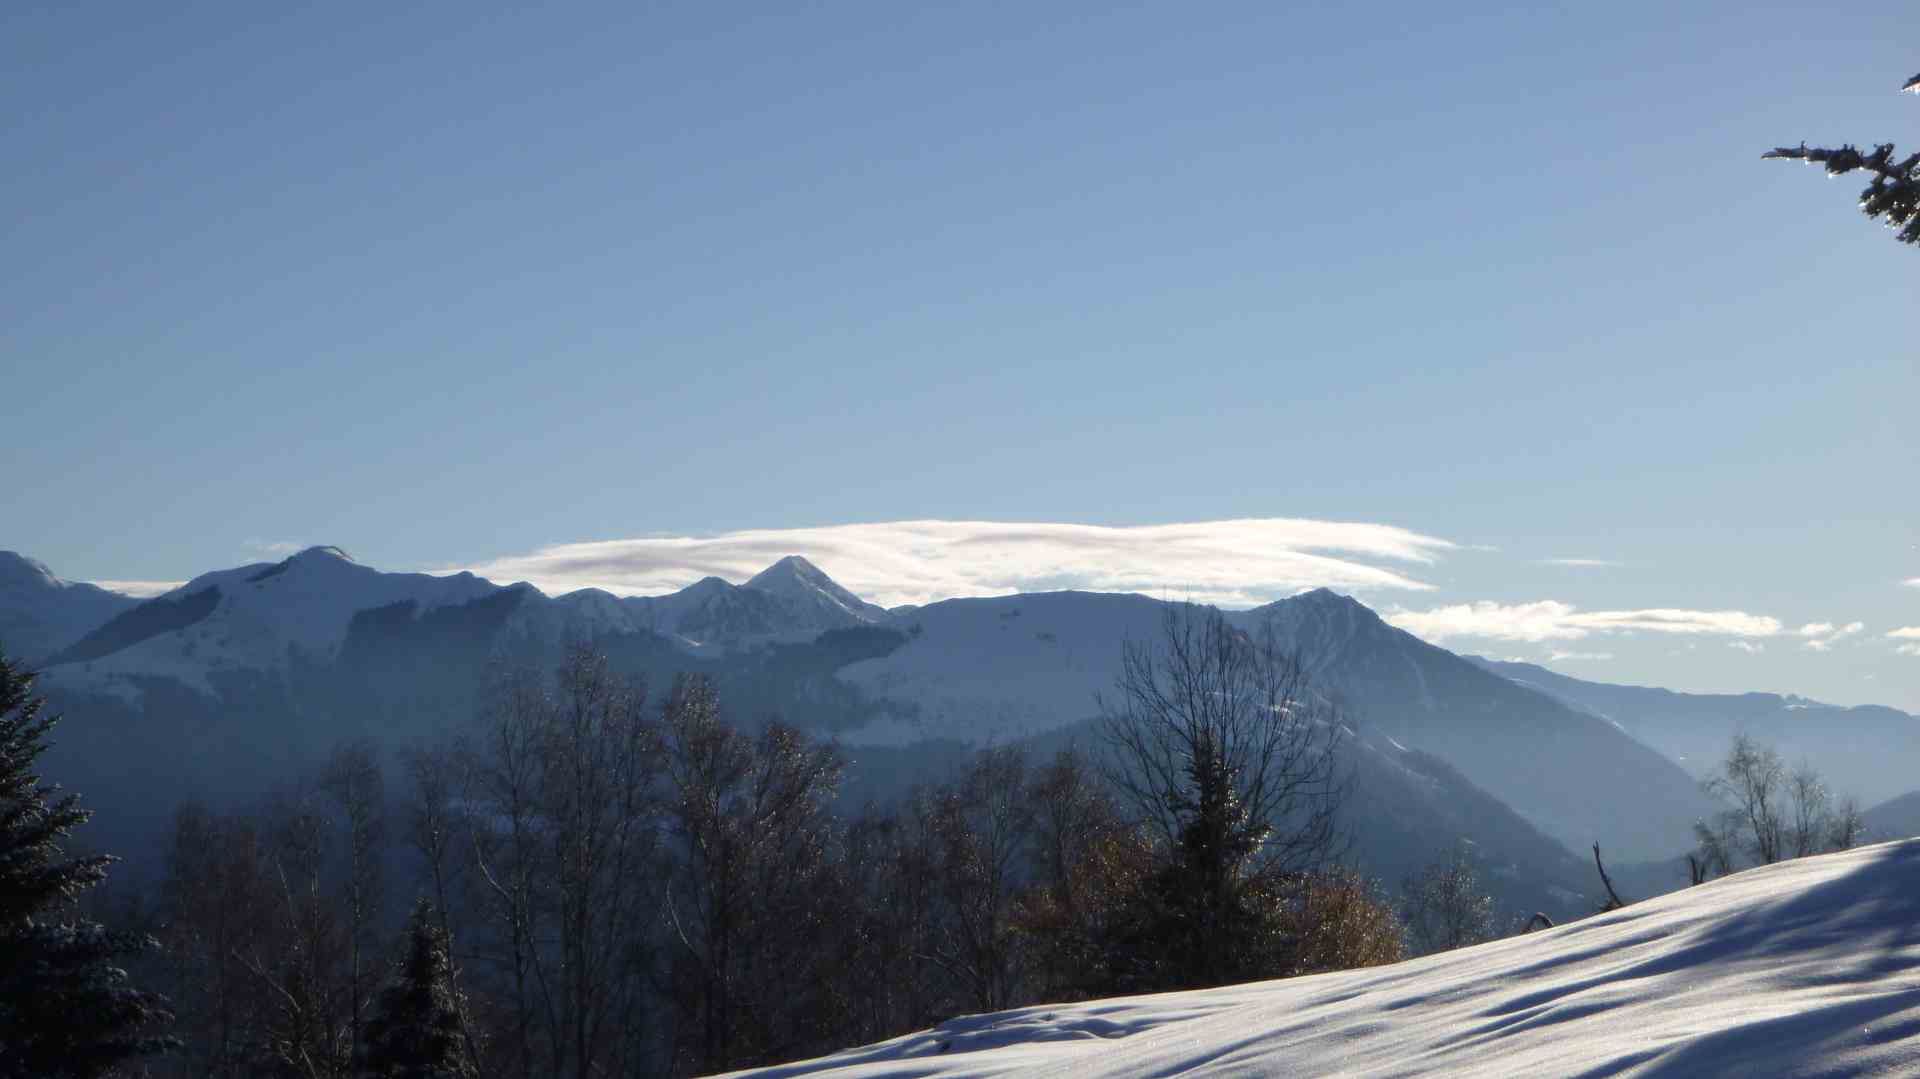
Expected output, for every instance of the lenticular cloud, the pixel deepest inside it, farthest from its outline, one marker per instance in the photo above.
(1551, 620)
(1230, 563)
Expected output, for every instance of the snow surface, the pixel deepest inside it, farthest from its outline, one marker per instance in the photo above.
(1807, 968)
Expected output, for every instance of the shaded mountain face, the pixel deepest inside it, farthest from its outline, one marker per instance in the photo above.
(40, 614)
(1009, 667)
(1869, 752)
(1577, 776)
(1895, 818)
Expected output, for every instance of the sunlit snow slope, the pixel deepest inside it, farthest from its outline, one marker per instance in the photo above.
(1800, 969)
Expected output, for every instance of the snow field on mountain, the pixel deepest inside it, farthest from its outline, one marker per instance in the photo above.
(1807, 968)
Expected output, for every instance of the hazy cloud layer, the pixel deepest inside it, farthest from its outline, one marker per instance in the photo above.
(1581, 563)
(1551, 620)
(139, 589)
(1239, 563)
(1558, 656)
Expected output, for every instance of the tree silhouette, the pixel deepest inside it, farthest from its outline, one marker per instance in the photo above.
(66, 1009)
(1894, 191)
(414, 1032)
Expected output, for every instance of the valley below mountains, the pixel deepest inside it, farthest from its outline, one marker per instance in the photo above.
(243, 677)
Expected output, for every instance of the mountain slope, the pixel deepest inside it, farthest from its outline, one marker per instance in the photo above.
(252, 618)
(1895, 818)
(1806, 968)
(1007, 667)
(1867, 752)
(1576, 776)
(41, 614)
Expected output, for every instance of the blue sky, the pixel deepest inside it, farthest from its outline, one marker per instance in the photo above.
(450, 288)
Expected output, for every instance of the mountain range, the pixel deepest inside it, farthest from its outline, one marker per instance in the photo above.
(244, 676)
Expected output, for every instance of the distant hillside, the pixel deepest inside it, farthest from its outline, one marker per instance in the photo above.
(1011, 666)
(1896, 818)
(1868, 752)
(41, 614)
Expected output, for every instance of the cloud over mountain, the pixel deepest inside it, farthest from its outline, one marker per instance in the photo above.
(1552, 620)
(1235, 563)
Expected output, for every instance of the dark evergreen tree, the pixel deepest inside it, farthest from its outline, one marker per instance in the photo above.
(66, 1009)
(1894, 191)
(415, 1029)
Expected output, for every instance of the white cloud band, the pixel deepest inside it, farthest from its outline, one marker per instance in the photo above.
(1551, 620)
(139, 589)
(1237, 563)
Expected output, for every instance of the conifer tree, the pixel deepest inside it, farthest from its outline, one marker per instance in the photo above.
(66, 1009)
(1894, 191)
(414, 1032)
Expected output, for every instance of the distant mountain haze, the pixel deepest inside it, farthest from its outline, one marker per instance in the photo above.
(40, 613)
(244, 676)
(1869, 752)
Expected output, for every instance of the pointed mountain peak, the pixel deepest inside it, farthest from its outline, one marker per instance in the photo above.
(325, 552)
(1328, 599)
(791, 568)
(795, 578)
(1320, 602)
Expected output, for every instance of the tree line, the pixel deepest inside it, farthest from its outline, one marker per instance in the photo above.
(591, 879)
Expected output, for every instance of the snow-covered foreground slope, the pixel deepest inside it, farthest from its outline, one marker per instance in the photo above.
(1800, 969)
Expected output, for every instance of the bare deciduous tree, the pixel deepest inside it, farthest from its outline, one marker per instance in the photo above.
(1753, 780)
(981, 829)
(753, 834)
(1206, 695)
(352, 781)
(563, 832)
(1444, 906)
(1772, 814)
(1220, 747)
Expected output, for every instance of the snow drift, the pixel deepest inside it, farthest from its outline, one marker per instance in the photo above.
(1805, 968)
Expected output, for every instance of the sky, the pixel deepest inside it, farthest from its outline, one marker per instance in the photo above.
(1490, 317)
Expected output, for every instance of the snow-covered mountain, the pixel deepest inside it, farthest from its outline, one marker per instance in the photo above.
(41, 614)
(1007, 667)
(1805, 968)
(255, 618)
(1868, 752)
(248, 671)
(304, 609)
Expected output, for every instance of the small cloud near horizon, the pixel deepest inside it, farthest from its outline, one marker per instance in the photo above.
(1232, 563)
(1557, 656)
(139, 589)
(1909, 634)
(1552, 620)
(1749, 647)
(1583, 563)
(1823, 635)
